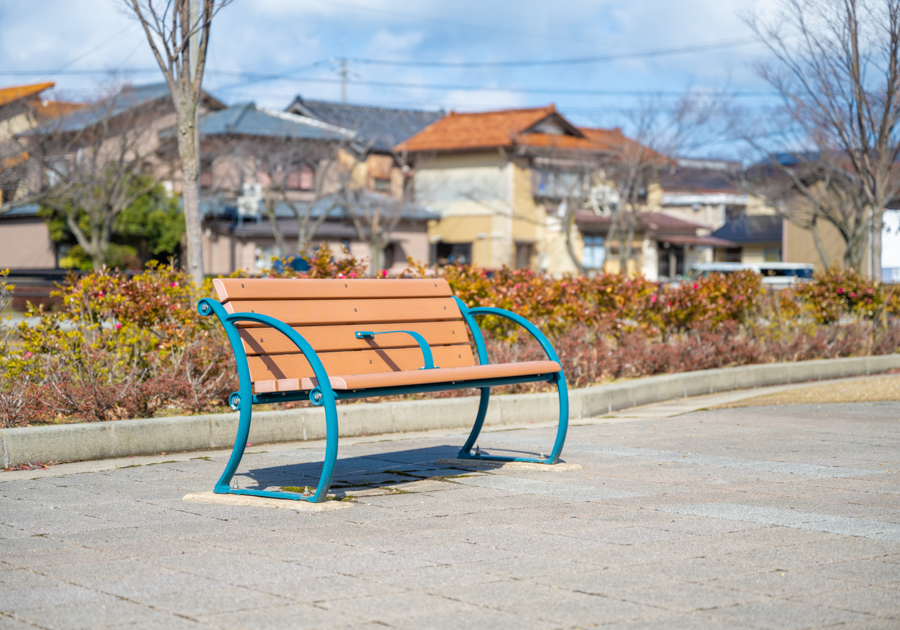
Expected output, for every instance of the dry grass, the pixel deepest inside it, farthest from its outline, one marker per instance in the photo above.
(866, 389)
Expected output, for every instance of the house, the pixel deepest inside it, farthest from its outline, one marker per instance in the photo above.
(262, 168)
(143, 111)
(22, 107)
(24, 239)
(378, 131)
(706, 190)
(233, 242)
(502, 181)
(665, 246)
(497, 179)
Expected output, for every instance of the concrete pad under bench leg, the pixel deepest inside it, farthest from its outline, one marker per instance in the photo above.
(486, 463)
(248, 500)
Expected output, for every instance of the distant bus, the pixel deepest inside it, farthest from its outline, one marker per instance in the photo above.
(779, 274)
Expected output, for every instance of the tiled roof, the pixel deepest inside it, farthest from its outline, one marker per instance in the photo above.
(514, 127)
(383, 127)
(690, 179)
(247, 119)
(10, 94)
(411, 211)
(55, 109)
(501, 128)
(763, 228)
(129, 98)
(652, 220)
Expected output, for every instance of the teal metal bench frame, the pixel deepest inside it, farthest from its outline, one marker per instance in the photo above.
(324, 396)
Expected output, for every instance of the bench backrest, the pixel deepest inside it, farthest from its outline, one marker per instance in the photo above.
(327, 313)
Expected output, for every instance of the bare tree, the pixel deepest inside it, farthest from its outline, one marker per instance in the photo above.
(614, 178)
(815, 189)
(660, 133)
(301, 174)
(375, 217)
(178, 33)
(836, 68)
(89, 175)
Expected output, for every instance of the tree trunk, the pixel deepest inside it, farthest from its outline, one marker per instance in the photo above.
(820, 246)
(876, 244)
(189, 153)
(625, 248)
(568, 224)
(376, 249)
(280, 244)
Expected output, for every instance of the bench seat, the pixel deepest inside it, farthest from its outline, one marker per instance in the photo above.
(413, 377)
(326, 341)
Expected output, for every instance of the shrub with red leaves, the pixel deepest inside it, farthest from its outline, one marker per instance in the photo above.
(122, 347)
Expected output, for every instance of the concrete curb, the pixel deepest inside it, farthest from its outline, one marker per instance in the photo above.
(122, 438)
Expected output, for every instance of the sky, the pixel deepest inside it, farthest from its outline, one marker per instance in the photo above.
(269, 51)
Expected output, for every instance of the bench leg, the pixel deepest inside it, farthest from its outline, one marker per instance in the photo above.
(562, 390)
(466, 451)
(331, 449)
(240, 443)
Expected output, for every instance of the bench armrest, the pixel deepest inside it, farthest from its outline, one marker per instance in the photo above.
(518, 319)
(423, 345)
(208, 306)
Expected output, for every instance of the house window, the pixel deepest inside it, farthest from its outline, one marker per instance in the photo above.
(299, 177)
(594, 253)
(454, 253)
(524, 253)
(382, 184)
(772, 254)
(206, 174)
(733, 254)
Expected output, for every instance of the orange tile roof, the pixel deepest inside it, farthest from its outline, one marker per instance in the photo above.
(53, 109)
(10, 94)
(484, 130)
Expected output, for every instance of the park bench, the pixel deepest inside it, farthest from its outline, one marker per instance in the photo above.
(330, 340)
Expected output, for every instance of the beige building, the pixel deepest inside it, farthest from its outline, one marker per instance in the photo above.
(497, 179)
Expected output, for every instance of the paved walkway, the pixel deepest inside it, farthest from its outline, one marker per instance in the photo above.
(772, 517)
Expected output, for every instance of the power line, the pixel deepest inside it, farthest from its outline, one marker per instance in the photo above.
(477, 88)
(744, 41)
(255, 77)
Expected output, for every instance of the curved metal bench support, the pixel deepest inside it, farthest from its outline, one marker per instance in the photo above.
(244, 402)
(563, 392)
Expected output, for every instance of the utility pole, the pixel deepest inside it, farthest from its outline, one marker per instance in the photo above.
(343, 80)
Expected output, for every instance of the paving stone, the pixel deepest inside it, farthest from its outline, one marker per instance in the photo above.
(11, 623)
(691, 597)
(290, 616)
(880, 601)
(386, 608)
(100, 614)
(782, 584)
(21, 578)
(86, 572)
(863, 571)
(17, 600)
(783, 614)
(328, 588)
(476, 619)
(222, 599)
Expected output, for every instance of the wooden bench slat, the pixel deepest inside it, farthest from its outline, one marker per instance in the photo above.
(368, 311)
(229, 289)
(293, 366)
(417, 377)
(330, 338)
